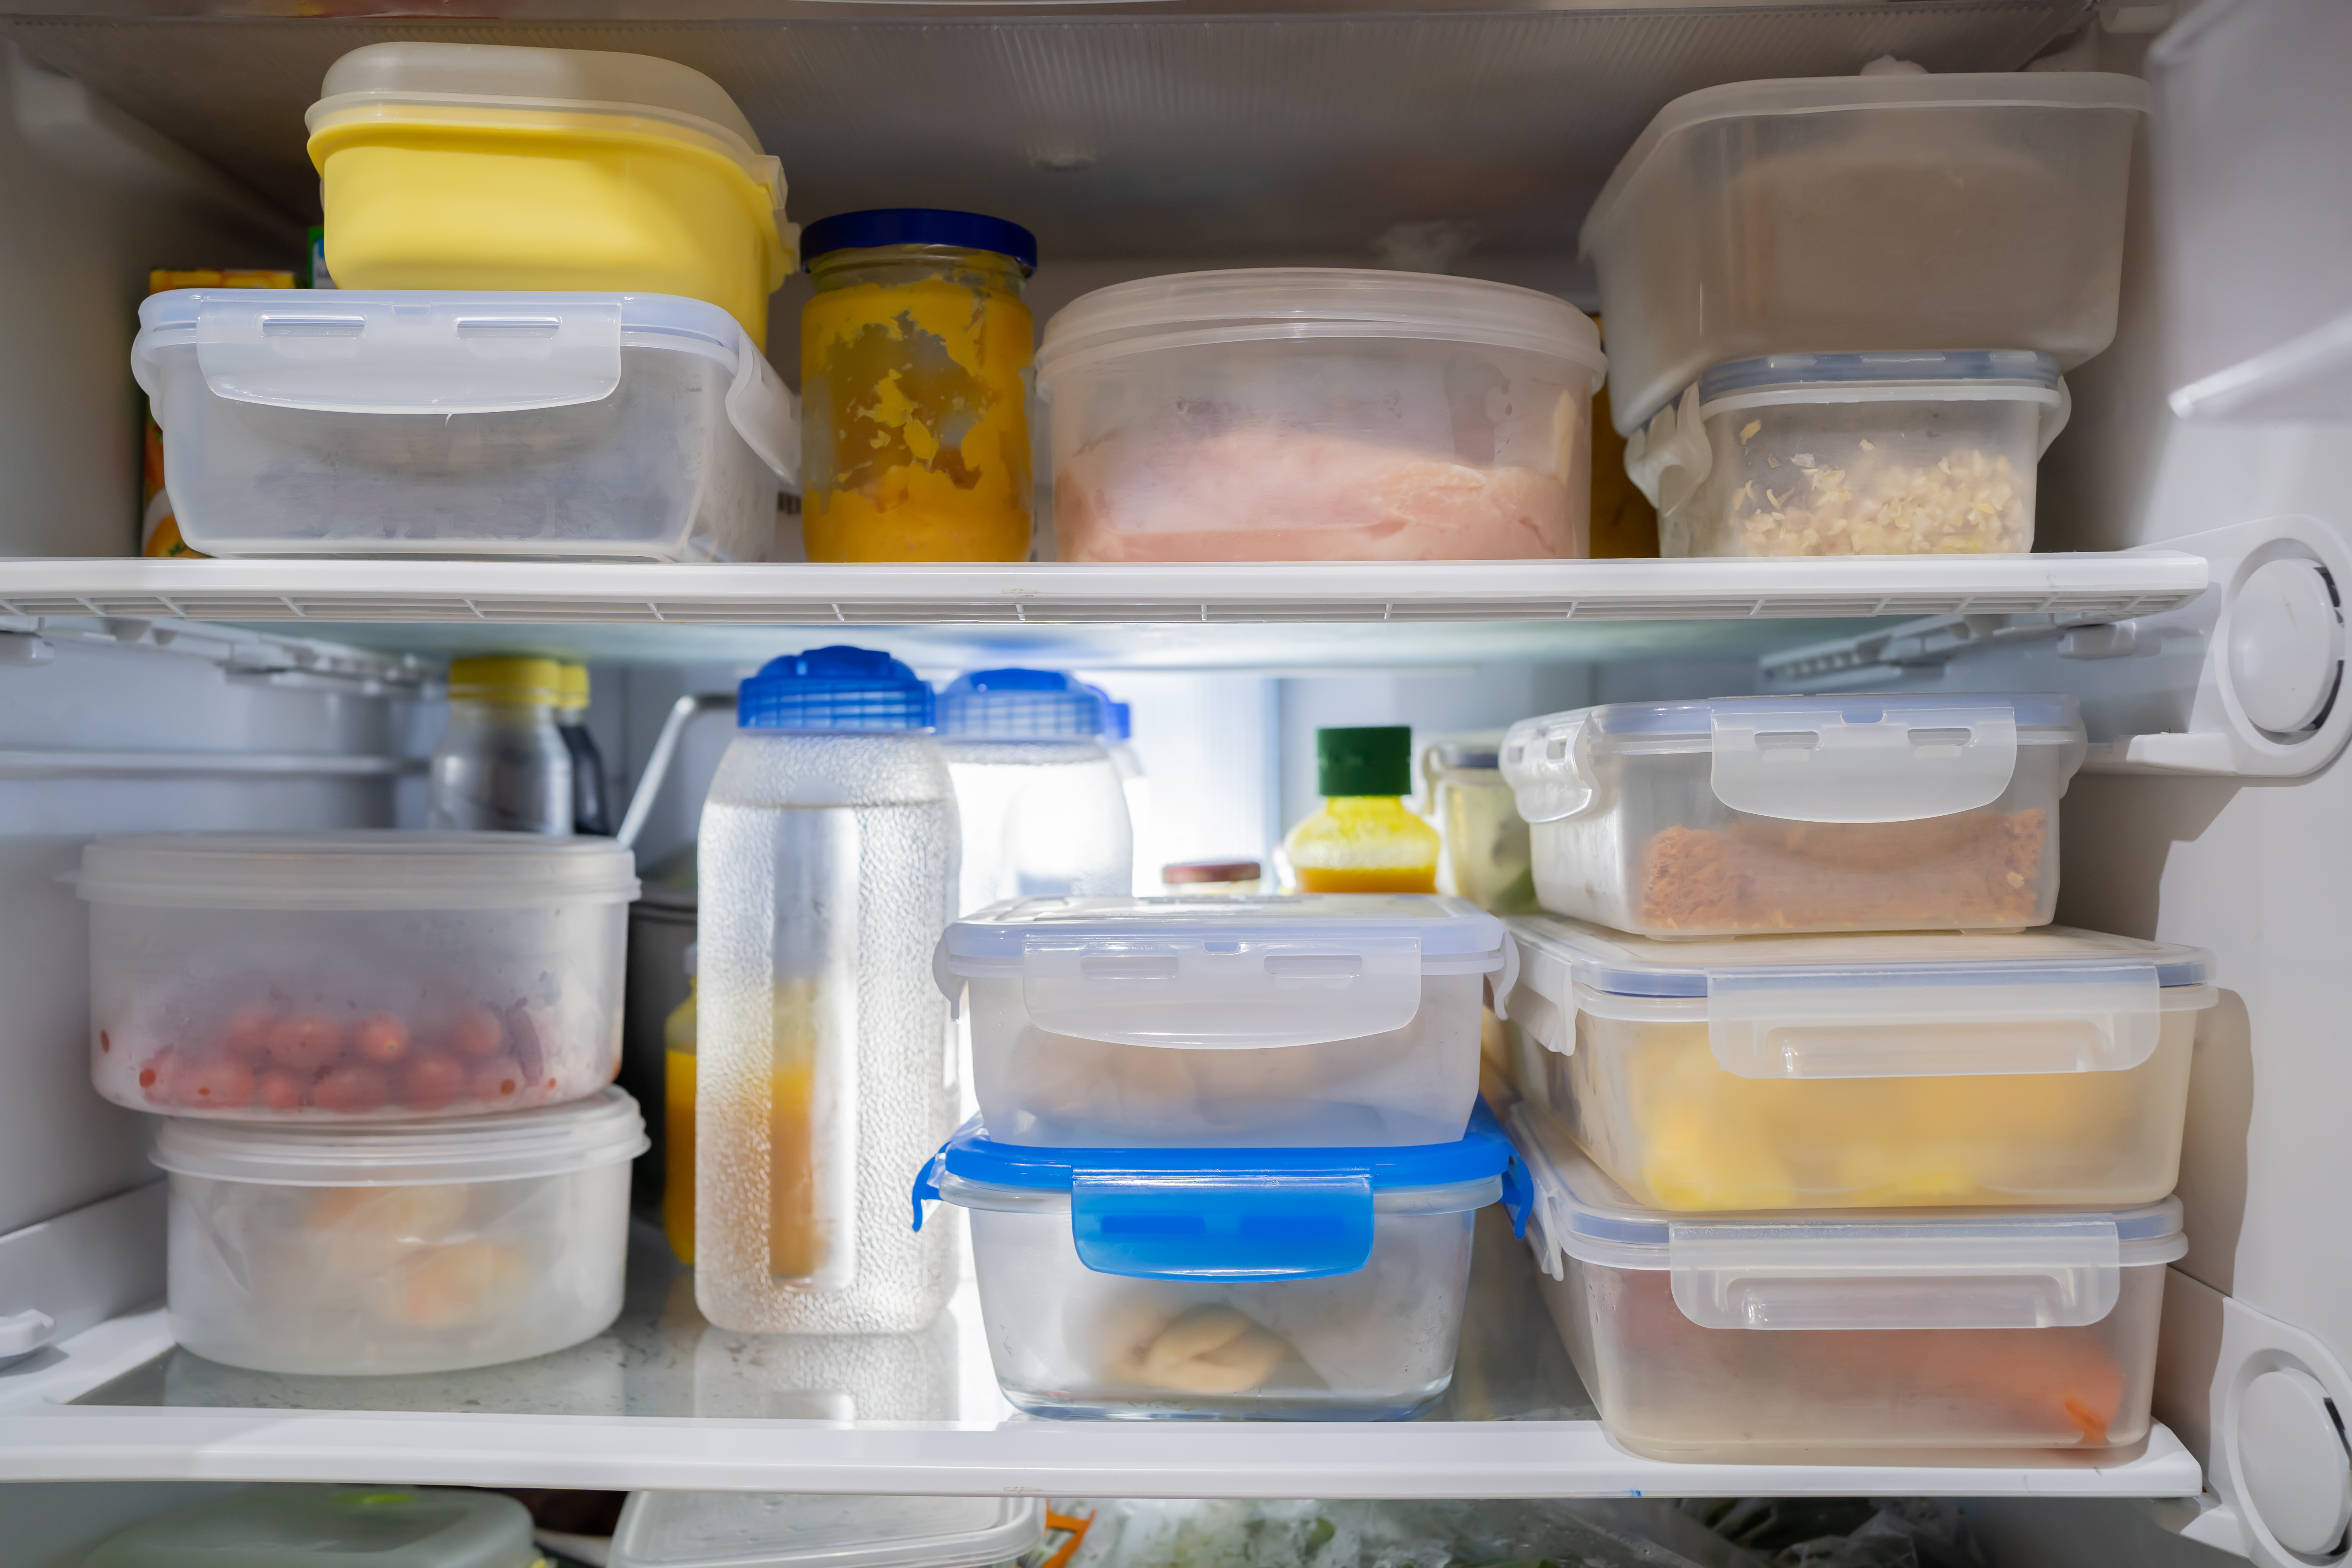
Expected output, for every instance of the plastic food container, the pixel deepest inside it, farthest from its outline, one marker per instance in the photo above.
(318, 1527)
(579, 426)
(1869, 1337)
(1339, 1019)
(1285, 1283)
(334, 976)
(2047, 1067)
(1487, 854)
(1862, 214)
(756, 1530)
(485, 166)
(1319, 414)
(1799, 814)
(411, 1246)
(1888, 454)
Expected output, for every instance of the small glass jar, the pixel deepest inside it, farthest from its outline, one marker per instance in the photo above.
(501, 764)
(915, 369)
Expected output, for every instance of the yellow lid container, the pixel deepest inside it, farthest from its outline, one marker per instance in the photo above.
(487, 166)
(538, 681)
(573, 683)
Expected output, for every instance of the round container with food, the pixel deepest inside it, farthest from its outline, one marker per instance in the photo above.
(1319, 414)
(346, 975)
(398, 1248)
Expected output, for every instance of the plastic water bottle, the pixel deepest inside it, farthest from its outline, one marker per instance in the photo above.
(1043, 805)
(501, 763)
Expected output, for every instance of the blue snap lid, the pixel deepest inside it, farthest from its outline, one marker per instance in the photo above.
(1229, 1214)
(2022, 368)
(919, 225)
(834, 688)
(1023, 705)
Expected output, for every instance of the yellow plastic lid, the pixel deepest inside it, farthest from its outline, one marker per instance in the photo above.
(536, 680)
(572, 686)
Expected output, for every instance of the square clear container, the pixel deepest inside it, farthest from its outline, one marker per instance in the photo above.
(1739, 815)
(767, 1530)
(330, 1527)
(1319, 414)
(1300, 1021)
(1865, 1338)
(1278, 1284)
(1813, 1072)
(358, 975)
(546, 426)
(1862, 214)
(398, 1246)
(1885, 454)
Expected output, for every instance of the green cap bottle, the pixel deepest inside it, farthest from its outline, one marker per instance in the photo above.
(1374, 760)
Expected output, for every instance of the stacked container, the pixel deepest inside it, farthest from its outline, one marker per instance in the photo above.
(1838, 307)
(1840, 1147)
(1226, 1159)
(384, 1059)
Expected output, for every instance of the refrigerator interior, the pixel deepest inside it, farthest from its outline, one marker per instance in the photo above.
(293, 694)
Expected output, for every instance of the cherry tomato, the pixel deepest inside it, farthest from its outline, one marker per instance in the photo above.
(497, 1081)
(157, 1075)
(476, 1032)
(283, 1091)
(353, 1090)
(220, 1084)
(248, 1035)
(308, 1042)
(381, 1038)
(432, 1081)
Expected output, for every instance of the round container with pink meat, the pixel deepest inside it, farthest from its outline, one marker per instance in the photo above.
(357, 974)
(1319, 414)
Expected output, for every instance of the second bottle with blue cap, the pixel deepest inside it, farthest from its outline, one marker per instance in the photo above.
(827, 867)
(1042, 805)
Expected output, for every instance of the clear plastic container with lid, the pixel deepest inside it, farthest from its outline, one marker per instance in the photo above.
(1225, 1022)
(398, 1246)
(1861, 1338)
(915, 350)
(330, 1527)
(822, 1048)
(1856, 215)
(541, 424)
(1281, 1284)
(1881, 1070)
(755, 1530)
(1042, 804)
(1881, 453)
(488, 166)
(1319, 414)
(1862, 812)
(354, 974)
(1486, 840)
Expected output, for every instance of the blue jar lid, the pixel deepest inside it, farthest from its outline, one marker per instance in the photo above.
(1118, 719)
(1023, 705)
(834, 688)
(919, 225)
(1228, 1213)
(2022, 368)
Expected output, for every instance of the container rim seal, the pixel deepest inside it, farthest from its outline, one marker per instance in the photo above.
(355, 870)
(551, 1141)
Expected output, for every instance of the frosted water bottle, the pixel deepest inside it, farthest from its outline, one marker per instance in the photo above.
(825, 1055)
(1043, 805)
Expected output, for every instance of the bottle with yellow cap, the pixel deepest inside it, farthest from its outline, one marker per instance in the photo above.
(589, 811)
(1363, 839)
(502, 763)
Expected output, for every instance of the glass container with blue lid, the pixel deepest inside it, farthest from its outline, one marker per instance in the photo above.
(1286, 1284)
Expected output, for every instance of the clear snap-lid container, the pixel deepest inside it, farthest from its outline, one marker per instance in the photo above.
(1865, 1338)
(1284, 1284)
(2044, 1066)
(552, 425)
(1333, 1019)
(762, 1530)
(356, 974)
(1319, 414)
(398, 1246)
(330, 1527)
(1879, 454)
(1861, 214)
(1862, 812)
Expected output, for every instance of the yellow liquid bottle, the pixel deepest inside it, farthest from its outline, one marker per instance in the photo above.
(677, 1124)
(1363, 839)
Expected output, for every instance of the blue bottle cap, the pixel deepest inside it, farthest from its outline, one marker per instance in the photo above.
(1023, 705)
(834, 688)
(1118, 719)
(919, 225)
